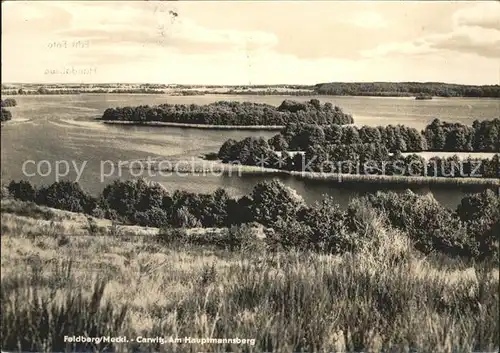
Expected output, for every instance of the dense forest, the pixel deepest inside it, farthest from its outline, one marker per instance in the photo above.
(234, 113)
(482, 136)
(357, 158)
(323, 145)
(471, 230)
(406, 89)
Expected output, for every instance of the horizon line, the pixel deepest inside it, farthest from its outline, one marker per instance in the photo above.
(248, 85)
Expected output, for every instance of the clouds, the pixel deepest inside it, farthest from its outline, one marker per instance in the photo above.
(367, 19)
(187, 32)
(253, 42)
(483, 15)
(479, 41)
(475, 30)
(164, 28)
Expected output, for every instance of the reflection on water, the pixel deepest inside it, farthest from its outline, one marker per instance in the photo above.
(63, 128)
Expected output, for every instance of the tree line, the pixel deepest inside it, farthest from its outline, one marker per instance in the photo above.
(349, 143)
(46, 91)
(234, 113)
(482, 136)
(382, 89)
(358, 158)
(472, 230)
(405, 89)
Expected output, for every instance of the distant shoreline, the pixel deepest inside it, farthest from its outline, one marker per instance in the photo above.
(254, 93)
(242, 94)
(351, 89)
(194, 126)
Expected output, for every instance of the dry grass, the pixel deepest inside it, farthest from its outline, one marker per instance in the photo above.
(397, 179)
(462, 155)
(386, 297)
(204, 167)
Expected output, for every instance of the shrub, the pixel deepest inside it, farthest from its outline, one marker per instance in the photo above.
(67, 196)
(5, 115)
(481, 214)
(92, 226)
(98, 212)
(239, 211)
(172, 236)
(327, 223)
(239, 238)
(272, 200)
(22, 190)
(8, 102)
(183, 218)
(226, 152)
(430, 225)
(288, 234)
(129, 197)
(154, 217)
(278, 143)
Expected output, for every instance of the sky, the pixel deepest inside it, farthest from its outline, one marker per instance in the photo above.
(250, 42)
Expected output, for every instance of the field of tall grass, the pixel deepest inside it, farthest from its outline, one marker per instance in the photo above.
(63, 274)
(199, 166)
(462, 155)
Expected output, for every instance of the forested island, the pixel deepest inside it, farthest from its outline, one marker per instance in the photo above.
(233, 114)
(341, 149)
(419, 90)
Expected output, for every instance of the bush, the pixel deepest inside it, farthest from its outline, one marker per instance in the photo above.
(154, 217)
(92, 226)
(272, 200)
(242, 237)
(22, 190)
(172, 236)
(226, 152)
(128, 197)
(8, 102)
(5, 115)
(481, 214)
(67, 196)
(288, 235)
(327, 223)
(430, 225)
(183, 218)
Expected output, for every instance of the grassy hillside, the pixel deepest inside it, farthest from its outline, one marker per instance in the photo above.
(63, 274)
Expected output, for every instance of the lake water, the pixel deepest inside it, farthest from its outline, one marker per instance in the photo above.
(56, 128)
